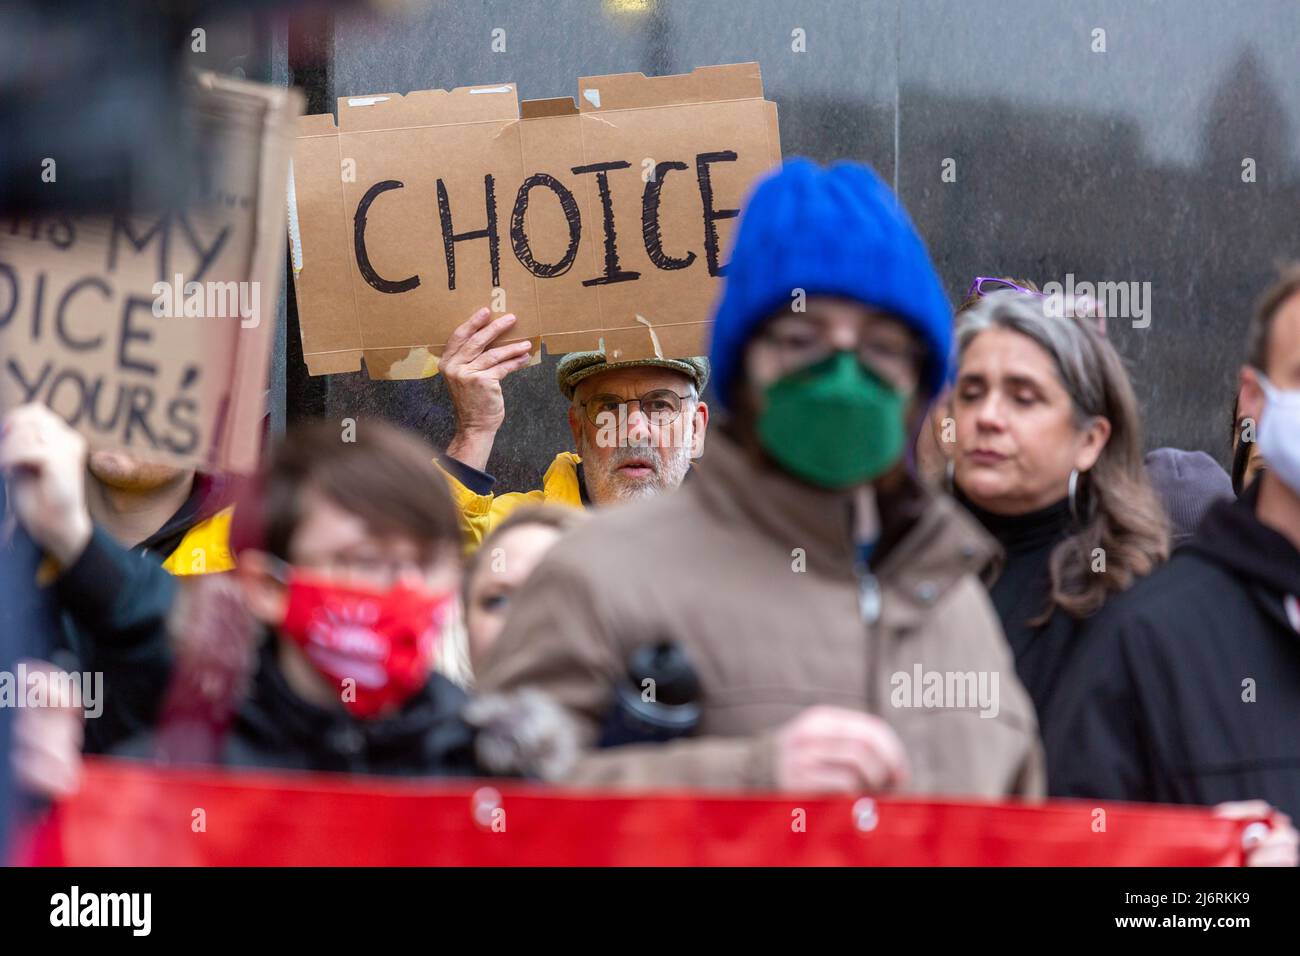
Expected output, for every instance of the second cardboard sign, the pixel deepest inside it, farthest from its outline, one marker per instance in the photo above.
(600, 223)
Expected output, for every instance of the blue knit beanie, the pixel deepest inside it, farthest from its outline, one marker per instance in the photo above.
(837, 231)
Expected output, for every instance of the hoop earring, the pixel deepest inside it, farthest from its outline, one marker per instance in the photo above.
(950, 471)
(1074, 494)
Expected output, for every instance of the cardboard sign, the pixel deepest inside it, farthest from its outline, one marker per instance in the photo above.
(152, 334)
(600, 224)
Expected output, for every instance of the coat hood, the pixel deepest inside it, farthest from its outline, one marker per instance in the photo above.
(1232, 537)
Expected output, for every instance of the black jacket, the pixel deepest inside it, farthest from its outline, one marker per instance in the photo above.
(1187, 689)
(112, 607)
(107, 614)
(275, 728)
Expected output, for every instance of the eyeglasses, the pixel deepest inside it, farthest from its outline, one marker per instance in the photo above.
(660, 407)
(892, 354)
(985, 285)
(368, 570)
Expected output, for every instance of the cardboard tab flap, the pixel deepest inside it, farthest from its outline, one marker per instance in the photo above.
(465, 104)
(555, 106)
(317, 124)
(706, 84)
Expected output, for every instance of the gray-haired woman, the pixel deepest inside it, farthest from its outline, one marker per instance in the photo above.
(1048, 457)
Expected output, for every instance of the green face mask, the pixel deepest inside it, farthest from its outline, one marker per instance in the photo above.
(834, 424)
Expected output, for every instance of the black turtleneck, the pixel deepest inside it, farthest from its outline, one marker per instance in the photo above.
(1022, 593)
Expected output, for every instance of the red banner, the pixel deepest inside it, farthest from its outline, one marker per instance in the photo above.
(133, 815)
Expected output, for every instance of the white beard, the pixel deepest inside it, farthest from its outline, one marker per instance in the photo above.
(608, 487)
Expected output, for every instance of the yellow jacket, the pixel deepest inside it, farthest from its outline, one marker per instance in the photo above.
(205, 549)
(479, 514)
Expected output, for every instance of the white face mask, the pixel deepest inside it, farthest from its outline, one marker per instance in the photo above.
(1279, 433)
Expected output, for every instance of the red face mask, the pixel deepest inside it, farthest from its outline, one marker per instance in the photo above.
(380, 640)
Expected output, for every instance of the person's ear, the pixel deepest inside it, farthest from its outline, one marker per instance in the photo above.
(575, 424)
(701, 425)
(940, 409)
(939, 419)
(266, 596)
(760, 371)
(1093, 442)
(1250, 397)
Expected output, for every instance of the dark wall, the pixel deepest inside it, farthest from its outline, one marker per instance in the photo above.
(1122, 165)
(1125, 165)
